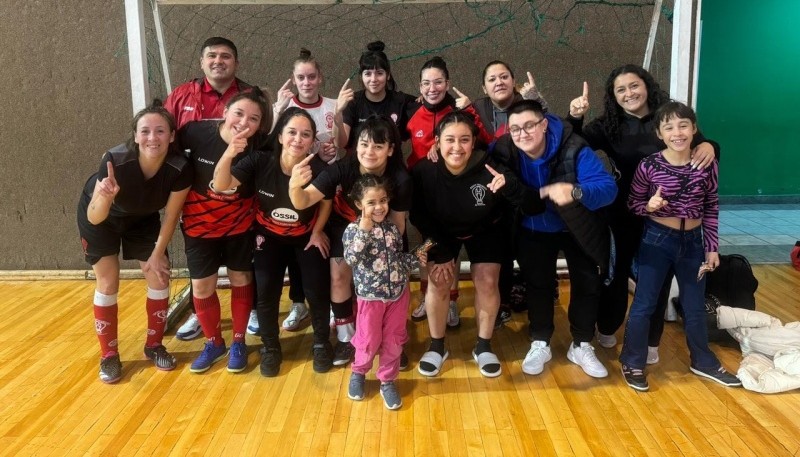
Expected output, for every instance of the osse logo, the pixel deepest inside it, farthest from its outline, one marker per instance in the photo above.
(285, 216)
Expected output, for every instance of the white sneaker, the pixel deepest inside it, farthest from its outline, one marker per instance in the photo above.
(453, 320)
(607, 341)
(332, 322)
(298, 313)
(190, 329)
(671, 314)
(536, 358)
(585, 357)
(252, 323)
(652, 355)
(419, 313)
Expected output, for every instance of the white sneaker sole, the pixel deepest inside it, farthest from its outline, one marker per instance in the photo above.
(594, 374)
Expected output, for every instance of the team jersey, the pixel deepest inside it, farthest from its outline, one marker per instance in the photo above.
(138, 195)
(322, 112)
(392, 106)
(275, 211)
(207, 213)
(337, 180)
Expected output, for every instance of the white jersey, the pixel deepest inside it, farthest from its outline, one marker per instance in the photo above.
(322, 112)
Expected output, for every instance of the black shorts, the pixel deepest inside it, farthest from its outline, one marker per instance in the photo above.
(490, 246)
(137, 235)
(204, 256)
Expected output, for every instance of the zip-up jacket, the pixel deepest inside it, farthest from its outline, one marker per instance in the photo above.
(185, 102)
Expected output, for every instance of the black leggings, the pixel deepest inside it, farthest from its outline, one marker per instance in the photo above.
(270, 265)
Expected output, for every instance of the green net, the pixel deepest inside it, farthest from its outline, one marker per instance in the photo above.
(561, 42)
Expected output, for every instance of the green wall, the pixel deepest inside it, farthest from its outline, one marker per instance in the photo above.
(749, 93)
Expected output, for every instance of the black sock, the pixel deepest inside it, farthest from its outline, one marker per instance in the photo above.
(483, 345)
(437, 345)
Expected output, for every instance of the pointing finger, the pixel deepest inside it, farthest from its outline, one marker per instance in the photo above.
(658, 192)
(492, 170)
(585, 90)
(530, 80)
(458, 92)
(346, 84)
(287, 84)
(306, 161)
(110, 168)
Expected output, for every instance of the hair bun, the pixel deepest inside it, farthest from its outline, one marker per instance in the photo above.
(157, 103)
(376, 46)
(305, 53)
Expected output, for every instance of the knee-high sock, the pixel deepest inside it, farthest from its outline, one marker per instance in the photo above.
(157, 303)
(241, 304)
(105, 322)
(208, 313)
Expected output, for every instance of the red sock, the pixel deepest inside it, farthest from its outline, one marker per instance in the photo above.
(156, 317)
(208, 314)
(454, 295)
(105, 325)
(241, 304)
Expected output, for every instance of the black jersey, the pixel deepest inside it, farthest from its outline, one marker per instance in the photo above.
(337, 180)
(138, 195)
(447, 205)
(275, 211)
(207, 213)
(392, 106)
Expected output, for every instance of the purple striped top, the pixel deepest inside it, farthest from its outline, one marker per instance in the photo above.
(691, 194)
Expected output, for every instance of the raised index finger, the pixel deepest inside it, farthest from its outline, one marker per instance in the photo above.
(110, 168)
(346, 84)
(585, 90)
(458, 92)
(287, 84)
(492, 170)
(306, 161)
(530, 79)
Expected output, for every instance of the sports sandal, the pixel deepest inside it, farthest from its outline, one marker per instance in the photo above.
(488, 363)
(431, 363)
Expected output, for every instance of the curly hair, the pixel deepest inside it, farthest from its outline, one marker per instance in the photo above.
(612, 112)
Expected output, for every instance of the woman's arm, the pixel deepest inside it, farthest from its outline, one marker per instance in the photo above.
(318, 236)
(341, 130)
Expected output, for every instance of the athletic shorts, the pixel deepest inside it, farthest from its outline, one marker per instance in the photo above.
(204, 256)
(137, 235)
(491, 246)
(335, 229)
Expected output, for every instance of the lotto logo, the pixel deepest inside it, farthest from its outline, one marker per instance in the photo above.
(100, 326)
(419, 134)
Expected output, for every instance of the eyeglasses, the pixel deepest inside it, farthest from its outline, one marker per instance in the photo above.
(528, 127)
(425, 84)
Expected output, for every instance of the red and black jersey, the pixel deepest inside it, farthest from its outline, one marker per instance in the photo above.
(275, 210)
(196, 100)
(207, 213)
(138, 195)
(393, 106)
(337, 180)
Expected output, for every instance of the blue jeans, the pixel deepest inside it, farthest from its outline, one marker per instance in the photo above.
(663, 248)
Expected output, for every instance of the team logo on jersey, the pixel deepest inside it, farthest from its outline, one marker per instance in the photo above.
(394, 117)
(478, 193)
(260, 242)
(329, 121)
(188, 108)
(284, 216)
(100, 326)
(419, 134)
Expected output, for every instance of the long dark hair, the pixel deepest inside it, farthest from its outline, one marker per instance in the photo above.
(156, 107)
(612, 113)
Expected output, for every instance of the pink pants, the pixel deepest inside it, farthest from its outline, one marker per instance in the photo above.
(380, 330)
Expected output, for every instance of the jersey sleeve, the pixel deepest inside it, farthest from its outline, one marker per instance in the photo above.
(328, 179)
(639, 194)
(711, 210)
(185, 177)
(245, 169)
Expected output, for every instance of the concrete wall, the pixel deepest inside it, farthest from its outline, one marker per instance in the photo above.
(67, 96)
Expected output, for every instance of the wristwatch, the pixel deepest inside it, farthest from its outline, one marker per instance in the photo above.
(577, 192)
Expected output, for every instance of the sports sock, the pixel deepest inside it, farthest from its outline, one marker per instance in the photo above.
(105, 322)
(208, 313)
(241, 304)
(157, 303)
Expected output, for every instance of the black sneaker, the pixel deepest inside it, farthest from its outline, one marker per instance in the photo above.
(159, 355)
(110, 369)
(503, 316)
(719, 375)
(323, 357)
(271, 359)
(635, 378)
(403, 361)
(343, 353)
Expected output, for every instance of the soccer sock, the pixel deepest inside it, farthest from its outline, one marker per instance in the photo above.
(483, 345)
(345, 320)
(437, 345)
(208, 313)
(453, 294)
(241, 304)
(157, 303)
(105, 322)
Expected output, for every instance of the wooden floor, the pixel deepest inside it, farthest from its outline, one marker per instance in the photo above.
(52, 403)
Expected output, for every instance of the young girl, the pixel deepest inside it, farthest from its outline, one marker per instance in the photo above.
(373, 248)
(680, 233)
(119, 205)
(284, 233)
(378, 153)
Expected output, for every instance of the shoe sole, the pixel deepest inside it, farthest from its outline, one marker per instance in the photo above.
(162, 368)
(204, 369)
(431, 374)
(237, 369)
(391, 407)
(701, 374)
(110, 381)
(270, 374)
(419, 319)
(354, 397)
(597, 375)
(189, 336)
(252, 332)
